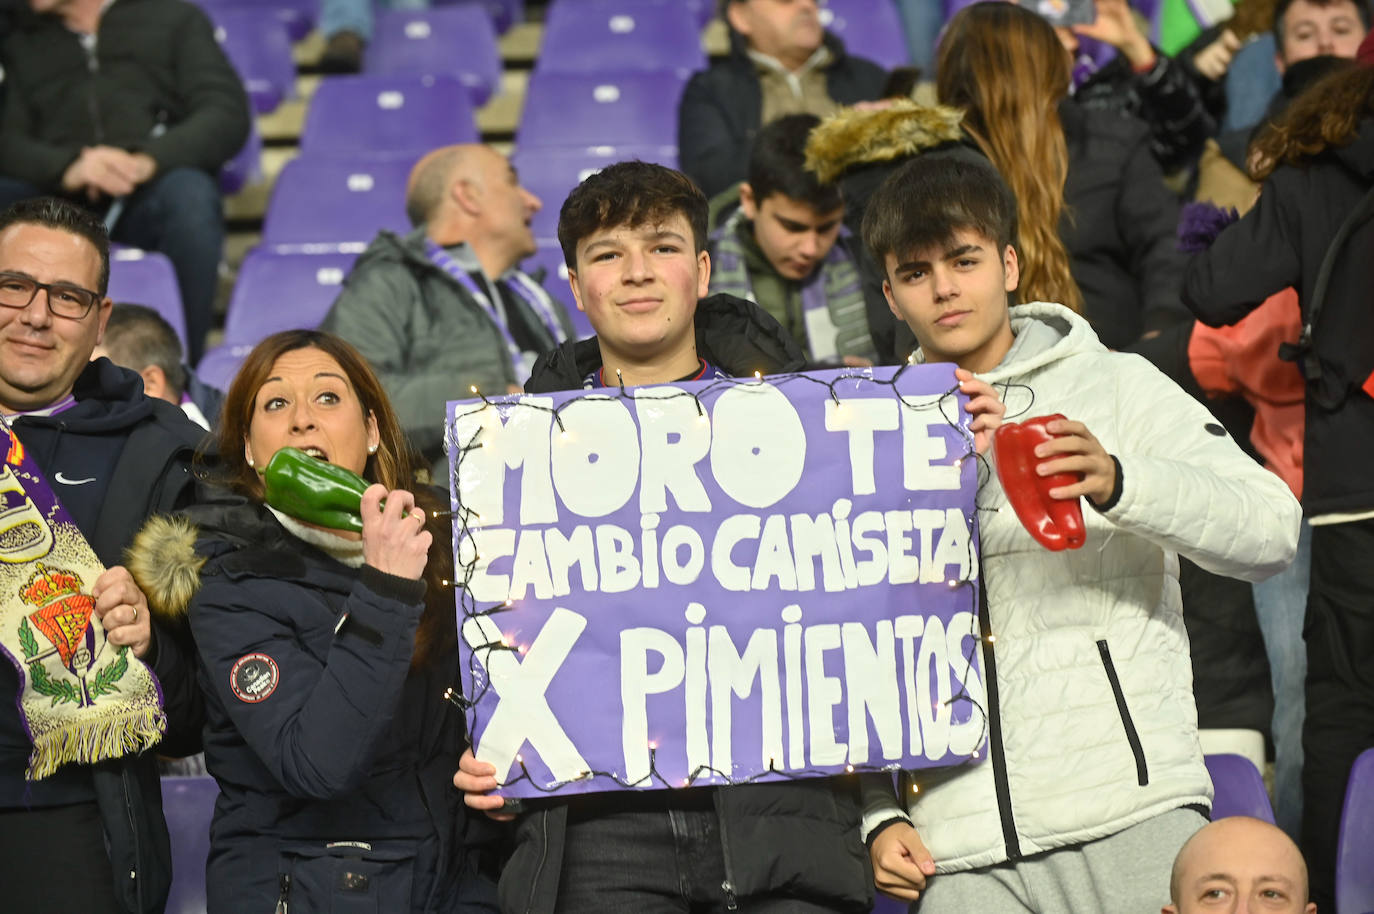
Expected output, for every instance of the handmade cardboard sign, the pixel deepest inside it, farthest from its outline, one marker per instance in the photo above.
(718, 582)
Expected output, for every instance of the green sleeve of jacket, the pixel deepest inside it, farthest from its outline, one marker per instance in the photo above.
(377, 311)
(219, 119)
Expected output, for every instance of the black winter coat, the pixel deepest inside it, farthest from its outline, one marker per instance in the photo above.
(158, 83)
(1120, 226)
(722, 107)
(1281, 242)
(334, 757)
(128, 456)
(798, 838)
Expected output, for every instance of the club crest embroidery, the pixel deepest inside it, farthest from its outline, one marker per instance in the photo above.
(254, 678)
(63, 617)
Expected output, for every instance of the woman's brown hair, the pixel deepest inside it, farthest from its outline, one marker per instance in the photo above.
(1326, 115)
(1004, 66)
(392, 465)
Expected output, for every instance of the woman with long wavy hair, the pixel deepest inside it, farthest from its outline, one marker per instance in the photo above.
(1313, 228)
(324, 652)
(1096, 221)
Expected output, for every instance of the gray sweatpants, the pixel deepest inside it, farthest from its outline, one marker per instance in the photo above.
(1125, 873)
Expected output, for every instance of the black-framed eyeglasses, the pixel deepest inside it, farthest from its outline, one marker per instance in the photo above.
(64, 299)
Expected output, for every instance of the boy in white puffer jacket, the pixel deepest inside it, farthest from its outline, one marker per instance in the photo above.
(1094, 777)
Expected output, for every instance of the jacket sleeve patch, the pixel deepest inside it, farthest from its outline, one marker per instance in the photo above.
(254, 678)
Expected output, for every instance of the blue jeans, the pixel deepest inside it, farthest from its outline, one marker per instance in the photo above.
(1280, 604)
(922, 21)
(179, 214)
(356, 15)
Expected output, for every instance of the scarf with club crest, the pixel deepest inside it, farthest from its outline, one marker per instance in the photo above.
(81, 698)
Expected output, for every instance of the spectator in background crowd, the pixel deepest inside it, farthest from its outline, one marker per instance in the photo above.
(783, 250)
(1306, 35)
(131, 108)
(1312, 230)
(141, 340)
(1239, 864)
(781, 62)
(347, 28)
(113, 457)
(444, 309)
(1144, 82)
(1092, 171)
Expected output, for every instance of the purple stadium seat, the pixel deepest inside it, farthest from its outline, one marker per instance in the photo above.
(353, 115)
(619, 109)
(504, 13)
(1354, 858)
(189, 805)
(244, 168)
(1238, 788)
(309, 283)
(551, 173)
(885, 904)
(147, 278)
(868, 28)
(260, 49)
(458, 40)
(549, 259)
(297, 15)
(328, 204)
(593, 36)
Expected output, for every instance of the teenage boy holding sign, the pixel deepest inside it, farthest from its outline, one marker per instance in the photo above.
(634, 237)
(1095, 776)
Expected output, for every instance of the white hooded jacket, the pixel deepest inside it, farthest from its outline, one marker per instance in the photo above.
(1092, 726)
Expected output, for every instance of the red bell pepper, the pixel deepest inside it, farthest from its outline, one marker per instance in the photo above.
(1056, 523)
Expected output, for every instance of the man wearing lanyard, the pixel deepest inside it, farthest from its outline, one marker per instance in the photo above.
(782, 250)
(443, 309)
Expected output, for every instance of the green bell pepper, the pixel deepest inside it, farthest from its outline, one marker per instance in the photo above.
(314, 491)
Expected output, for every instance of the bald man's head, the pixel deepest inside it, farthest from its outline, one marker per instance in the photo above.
(429, 182)
(1239, 865)
(471, 193)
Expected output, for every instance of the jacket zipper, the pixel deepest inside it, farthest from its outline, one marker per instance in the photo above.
(443, 846)
(93, 67)
(133, 831)
(998, 758)
(1142, 772)
(728, 886)
(543, 855)
(284, 897)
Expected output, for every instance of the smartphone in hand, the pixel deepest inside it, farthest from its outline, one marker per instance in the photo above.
(1063, 12)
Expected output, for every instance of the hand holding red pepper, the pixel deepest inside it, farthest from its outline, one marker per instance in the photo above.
(1075, 450)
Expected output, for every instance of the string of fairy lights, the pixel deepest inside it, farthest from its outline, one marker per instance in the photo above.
(468, 700)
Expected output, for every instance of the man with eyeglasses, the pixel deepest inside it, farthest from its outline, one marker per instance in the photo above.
(113, 456)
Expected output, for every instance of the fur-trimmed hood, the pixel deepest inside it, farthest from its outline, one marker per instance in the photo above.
(167, 556)
(854, 137)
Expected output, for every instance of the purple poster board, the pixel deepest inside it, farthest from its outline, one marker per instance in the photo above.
(718, 582)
